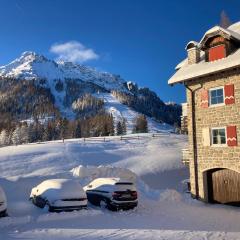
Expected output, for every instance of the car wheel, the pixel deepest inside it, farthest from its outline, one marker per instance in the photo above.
(103, 204)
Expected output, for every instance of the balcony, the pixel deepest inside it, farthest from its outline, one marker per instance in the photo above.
(185, 156)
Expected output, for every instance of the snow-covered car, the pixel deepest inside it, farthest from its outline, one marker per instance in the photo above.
(3, 203)
(112, 193)
(59, 195)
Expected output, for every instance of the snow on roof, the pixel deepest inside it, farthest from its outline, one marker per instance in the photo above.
(216, 29)
(235, 27)
(192, 43)
(204, 68)
(187, 72)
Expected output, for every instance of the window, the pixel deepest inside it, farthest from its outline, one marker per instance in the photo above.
(218, 136)
(216, 96)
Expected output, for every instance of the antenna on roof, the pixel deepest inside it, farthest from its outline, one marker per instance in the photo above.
(225, 22)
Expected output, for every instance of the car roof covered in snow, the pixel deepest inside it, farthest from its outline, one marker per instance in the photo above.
(56, 189)
(109, 184)
(187, 71)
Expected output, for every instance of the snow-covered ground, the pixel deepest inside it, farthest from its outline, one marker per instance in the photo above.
(164, 212)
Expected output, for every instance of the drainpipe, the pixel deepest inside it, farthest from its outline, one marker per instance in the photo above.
(194, 138)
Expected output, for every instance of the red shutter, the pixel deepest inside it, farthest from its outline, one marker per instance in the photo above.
(217, 52)
(229, 94)
(231, 136)
(204, 98)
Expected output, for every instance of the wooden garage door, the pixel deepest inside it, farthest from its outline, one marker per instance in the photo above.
(226, 186)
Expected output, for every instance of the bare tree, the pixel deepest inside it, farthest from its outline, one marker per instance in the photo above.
(224, 20)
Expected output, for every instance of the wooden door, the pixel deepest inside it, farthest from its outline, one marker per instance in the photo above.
(226, 186)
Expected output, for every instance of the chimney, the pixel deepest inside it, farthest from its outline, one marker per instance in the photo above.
(193, 52)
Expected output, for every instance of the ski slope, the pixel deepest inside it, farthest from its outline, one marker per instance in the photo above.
(121, 111)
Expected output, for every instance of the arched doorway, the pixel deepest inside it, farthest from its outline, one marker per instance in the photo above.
(222, 186)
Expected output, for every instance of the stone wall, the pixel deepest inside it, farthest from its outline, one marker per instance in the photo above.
(210, 157)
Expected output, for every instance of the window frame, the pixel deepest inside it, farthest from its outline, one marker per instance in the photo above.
(219, 145)
(210, 98)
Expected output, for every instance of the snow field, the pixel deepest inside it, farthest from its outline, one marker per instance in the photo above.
(164, 211)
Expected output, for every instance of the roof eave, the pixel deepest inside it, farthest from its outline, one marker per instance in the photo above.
(201, 75)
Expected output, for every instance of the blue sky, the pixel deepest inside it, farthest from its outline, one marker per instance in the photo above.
(142, 40)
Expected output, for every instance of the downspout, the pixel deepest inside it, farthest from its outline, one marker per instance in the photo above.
(194, 138)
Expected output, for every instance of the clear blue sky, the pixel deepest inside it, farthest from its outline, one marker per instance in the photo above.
(142, 40)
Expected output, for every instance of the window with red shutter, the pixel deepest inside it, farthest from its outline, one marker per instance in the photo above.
(231, 136)
(217, 52)
(218, 136)
(229, 94)
(204, 98)
(216, 96)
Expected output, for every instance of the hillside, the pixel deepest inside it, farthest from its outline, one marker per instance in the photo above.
(33, 86)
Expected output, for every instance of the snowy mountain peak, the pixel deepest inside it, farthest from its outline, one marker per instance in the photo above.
(31, 65)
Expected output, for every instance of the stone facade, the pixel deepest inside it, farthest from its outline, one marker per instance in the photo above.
(211, 157)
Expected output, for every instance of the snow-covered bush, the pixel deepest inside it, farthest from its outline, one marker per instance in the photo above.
(4, 138)
(16, 136)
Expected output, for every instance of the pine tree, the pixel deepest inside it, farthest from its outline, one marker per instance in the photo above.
(47, 136)
(78, 132)
(111, 125)
(63, 122)
(119, 128)
(124, 127)
(31, 137)
(141, 124)
(24, 134)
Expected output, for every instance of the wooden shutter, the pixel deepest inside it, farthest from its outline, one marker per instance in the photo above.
(204, 98)
(231, 136)
(229, 94)
(217, 52)
(206, 137)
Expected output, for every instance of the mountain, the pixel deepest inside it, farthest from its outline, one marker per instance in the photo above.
(34, 86)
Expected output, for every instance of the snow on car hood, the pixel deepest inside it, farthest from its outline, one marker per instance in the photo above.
(56, 189)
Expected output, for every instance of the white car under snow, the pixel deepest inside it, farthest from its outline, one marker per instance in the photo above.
(112, 193)
(59, 195)
(3, 203)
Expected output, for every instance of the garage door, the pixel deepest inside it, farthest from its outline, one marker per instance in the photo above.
(226, 186)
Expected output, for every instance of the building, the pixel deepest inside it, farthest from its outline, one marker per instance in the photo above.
(184, 119)
(211, 75)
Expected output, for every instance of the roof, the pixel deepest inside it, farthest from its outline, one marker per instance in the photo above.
(187, 71)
